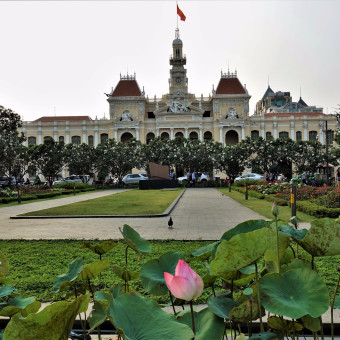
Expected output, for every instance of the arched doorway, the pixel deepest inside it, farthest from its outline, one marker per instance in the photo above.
(193, 135)
(165, 135)
(207, 135)
(179, 134)
(231, 137)
(125, 137)
(149, 137)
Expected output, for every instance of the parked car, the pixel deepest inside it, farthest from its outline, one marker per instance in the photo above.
(201, 177)
(134, 178)
(251, 176)
(5, 182)
(69, 179)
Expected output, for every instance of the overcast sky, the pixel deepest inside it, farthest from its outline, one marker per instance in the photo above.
(59, 57)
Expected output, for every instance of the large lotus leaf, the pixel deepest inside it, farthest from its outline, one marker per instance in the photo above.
(19, 304)
(238, 279)
(283, 326)
(152, 272)
(98, 314)
(265, 336)
(242, 313)
(244, 227)
(101, 248)
(54, 322)
(204, 252)
(6, 291)
(248, 270)
(221, 305)
(295, 264)
(139, 318)
(271, 253)
(209, 280)
(207, 324)
(135, 241)
(295, 293)
(93, 269)
(73, 271)
(313, 324)
(323, 238)
(241, 251)
(337, 302)
(288, 230)
(3, 265)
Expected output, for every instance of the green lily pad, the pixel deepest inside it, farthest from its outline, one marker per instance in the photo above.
(19, 304)
(4, 267)
(295, 264)
(98, 314)
(241, 251)
(265, 336)
(244, 227)
(248, 270)
(6, 291)
(54, 322)
(295, 293)
(101, 248)
(313, 324)
(135, 241)
(152, 272)
(93, 269)
(124, 274)
(241, 313)
(74, 269)
(207, 324)
(284, 326)
(221, 305)
(139, 318)
(297, 234)
(204, 252)
(337, 302)
(323, 238)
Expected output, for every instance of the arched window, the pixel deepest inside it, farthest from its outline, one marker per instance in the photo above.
(61, 139)
(298, 136)
(76, 140)
(126, 136)
(90, 140)
(313, 135)
(268, 135)
(179, 134)
(178, 55)
(231, 137)
(149, 137)
(165, 135)
(255, 134)
(47, 137)
(32, 141)
(193, 135)
(207, 135)
(104, 138)
(283, 134)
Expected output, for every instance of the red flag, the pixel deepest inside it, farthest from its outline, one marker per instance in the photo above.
(181, 14)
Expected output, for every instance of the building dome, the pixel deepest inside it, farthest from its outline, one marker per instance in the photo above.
(177, 42)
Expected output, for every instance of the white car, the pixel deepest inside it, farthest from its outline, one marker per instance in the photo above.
(134, 178)
(69, 179)
(251, 176)
(200, 179)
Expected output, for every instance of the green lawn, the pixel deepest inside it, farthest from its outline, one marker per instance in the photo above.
(264, 207)
(134, 202)
(35, 264)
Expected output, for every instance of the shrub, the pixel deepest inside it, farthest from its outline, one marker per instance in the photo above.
(242, 183)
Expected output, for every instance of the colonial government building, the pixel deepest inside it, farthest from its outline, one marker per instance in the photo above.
(223, 116)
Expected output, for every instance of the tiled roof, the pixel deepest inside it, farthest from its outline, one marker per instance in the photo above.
(302, 102)
(268, 93)
(230, 86)
(127, 88)
(62, 118)
(288, 114)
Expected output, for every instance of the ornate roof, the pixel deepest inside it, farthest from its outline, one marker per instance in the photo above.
(62, 118)
(126, 88)
(268, 93)
(302, 102)
(230, 86)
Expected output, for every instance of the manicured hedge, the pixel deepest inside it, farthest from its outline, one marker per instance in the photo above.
(242, 182)
(317, 210)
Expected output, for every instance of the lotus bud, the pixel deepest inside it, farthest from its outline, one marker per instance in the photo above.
(294, 221)
(275, 210)
(186, 284)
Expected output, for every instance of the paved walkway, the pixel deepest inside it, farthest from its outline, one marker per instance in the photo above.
(201, 213)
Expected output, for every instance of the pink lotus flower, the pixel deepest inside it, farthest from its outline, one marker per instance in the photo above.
(186, 284)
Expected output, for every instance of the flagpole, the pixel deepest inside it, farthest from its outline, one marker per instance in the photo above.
(176, 13)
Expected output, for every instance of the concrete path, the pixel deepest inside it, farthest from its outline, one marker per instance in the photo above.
(201, 213)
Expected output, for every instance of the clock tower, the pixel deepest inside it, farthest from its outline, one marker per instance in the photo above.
(178, 82)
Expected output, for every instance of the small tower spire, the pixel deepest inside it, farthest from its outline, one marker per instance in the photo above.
(177, 33)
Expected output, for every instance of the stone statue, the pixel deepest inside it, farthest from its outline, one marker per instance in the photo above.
(176, 106)
(232, 113)
(126, 116)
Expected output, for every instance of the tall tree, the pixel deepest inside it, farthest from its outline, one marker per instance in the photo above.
(48, 158)
(11, 147)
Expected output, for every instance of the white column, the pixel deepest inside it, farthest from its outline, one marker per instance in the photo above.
(137, 133)
(292, 131)
(243, 132)
(172, 133)
(186, 132)
(221, 135)
(24, 132)
(275, 130)
(39, 133)
(84, 132)
(321, 134)
(157, 132)
(305, 134)
(262, 131)
(116, 134)
(96, 137)
(55, 131)
(67, 133)
(201, 134)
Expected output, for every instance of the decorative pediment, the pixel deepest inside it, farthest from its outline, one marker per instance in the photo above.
(171, 110)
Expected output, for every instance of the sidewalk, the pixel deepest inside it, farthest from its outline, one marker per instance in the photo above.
(201, 214)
